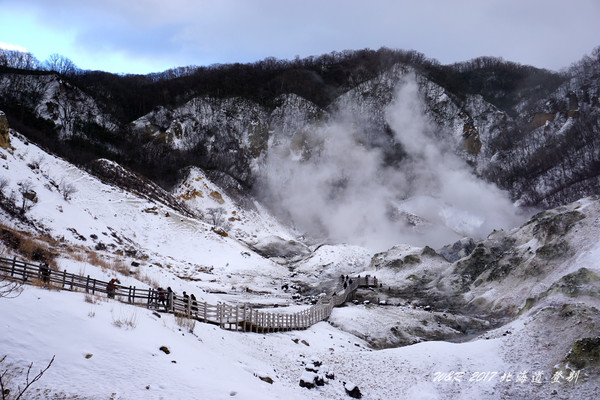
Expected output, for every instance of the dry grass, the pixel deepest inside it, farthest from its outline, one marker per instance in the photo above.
(29, 247)
(125, 322)
(92, 299)
(185, 323)
(153, 283)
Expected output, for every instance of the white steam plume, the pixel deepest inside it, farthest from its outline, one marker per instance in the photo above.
(328, 184)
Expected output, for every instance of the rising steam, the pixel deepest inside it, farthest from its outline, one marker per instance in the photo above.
(329, 184)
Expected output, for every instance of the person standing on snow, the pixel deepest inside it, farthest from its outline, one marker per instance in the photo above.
(111, 287)
(45, 269)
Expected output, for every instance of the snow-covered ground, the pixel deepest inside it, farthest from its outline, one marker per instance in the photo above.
(107, 350)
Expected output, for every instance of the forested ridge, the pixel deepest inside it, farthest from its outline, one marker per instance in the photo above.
(523, 93)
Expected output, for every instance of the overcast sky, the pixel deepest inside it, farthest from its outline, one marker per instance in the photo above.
(141, 36)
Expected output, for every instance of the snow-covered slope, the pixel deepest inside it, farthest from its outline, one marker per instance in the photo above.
(105, 349)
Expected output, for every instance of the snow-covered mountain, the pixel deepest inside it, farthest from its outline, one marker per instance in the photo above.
(470, 191)
(512, 316)
(527, 130)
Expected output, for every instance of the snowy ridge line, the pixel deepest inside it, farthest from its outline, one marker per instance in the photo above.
(238, 318)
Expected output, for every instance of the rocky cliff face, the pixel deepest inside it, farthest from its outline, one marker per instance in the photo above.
(68, 108)
(542, 148)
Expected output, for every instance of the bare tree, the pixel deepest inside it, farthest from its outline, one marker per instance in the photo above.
(215, 215)
(7, 374)
(60, 64)
(66, 189)
(18, 59)
(29, 196)
(9, 289)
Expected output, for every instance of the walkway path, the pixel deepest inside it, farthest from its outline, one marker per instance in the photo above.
(232, 317)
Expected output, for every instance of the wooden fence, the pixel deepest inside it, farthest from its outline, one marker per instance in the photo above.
(232, 317)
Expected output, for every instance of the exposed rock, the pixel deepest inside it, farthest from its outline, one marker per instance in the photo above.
(264, 377)
(581, 282)
(540, 119)
(554, 223)
(460, 249)
(585, 353)
(308, 380)
(352, 390)
(275, 246)
(4, 127)
(473, 142)
(553, 250)
(30, 195)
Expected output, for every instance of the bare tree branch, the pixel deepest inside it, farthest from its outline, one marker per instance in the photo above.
(6, 373)
(9, 289)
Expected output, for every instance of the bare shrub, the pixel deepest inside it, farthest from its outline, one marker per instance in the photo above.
(9, 289)
(186, 323)
(27, 247)
(91, 299)
(153, 283)
(28, 195)
(78, 256)
(9, 373)
(125, 322)
(66, 189)
(113, 265)
(94, 259)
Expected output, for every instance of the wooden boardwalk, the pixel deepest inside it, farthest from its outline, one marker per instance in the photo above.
(232, 317)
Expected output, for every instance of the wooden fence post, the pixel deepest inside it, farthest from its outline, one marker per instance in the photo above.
(250, 320)
(220, 314)
(150, 296)
(87, 284)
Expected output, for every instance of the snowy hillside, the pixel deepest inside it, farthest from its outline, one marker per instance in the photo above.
(514, 316)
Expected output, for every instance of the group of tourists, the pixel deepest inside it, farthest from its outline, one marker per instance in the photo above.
(163, 297)
(347, 281)
(168, 298)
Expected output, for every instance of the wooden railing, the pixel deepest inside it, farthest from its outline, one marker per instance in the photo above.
(232, 317)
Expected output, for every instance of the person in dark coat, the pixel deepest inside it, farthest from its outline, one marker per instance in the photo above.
(111, 287)
(45, 269)
(162, 297)
(186, 301)
(194, 304)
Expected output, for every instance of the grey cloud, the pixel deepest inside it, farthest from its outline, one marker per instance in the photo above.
(547, 34)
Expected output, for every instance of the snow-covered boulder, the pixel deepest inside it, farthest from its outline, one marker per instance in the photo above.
(352, 390)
